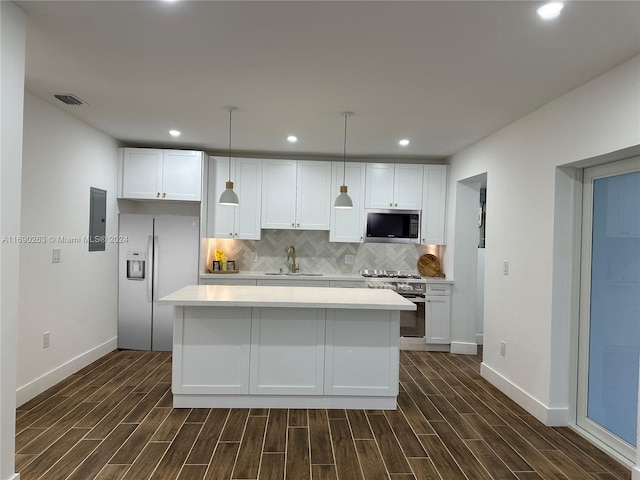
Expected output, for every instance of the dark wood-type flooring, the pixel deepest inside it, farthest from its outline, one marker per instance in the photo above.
(113, 420)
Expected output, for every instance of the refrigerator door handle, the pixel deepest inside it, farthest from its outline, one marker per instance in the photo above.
(148, 262)
(156, 273)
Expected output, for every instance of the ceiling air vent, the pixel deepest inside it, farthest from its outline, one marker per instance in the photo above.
(69, 99)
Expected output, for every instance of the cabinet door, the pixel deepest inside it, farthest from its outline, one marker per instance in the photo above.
(407, 187)
(433, 204)
(248, 183)
(438, 313)
(141, 173)
(347, 225)
(278, 194)
(287, 351)
(182, 175)
(220, 218)
(379, 185)
(313, 196)
(362, 352)
(212, 350)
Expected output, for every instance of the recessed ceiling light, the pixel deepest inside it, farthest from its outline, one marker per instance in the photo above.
(550, 10)
(292, 139)
(404, 142)
(174, 133)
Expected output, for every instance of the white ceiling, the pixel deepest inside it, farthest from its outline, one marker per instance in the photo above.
(443, 74)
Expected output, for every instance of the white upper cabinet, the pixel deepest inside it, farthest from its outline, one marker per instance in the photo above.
(347, 225)
(229, 221)
(433, 204)
(395, 186)
(296, 194)
(150, 173)
(313, 196)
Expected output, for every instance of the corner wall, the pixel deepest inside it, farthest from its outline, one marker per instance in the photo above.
(12, 55)
(528, 308)
(75, 300)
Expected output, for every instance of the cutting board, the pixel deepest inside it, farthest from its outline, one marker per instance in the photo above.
(429, 266)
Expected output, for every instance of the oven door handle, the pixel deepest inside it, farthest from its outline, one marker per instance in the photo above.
(417, 299)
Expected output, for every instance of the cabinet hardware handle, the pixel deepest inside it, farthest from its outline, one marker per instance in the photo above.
(391, 204)
(293, 224)
(164, 195)
(158, 195)
(298, 225)
(396, 204)
(236, 234)
(428, 301)
(230, 234)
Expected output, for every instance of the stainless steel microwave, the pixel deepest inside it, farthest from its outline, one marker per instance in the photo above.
(392, 226)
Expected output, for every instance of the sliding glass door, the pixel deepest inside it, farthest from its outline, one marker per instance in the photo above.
(609, 349)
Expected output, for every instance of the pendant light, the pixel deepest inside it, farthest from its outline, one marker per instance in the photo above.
(229, 197)
(343, 200)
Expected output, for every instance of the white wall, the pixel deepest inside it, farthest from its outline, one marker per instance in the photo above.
(530, 308)
(12, 48)
(75, 300)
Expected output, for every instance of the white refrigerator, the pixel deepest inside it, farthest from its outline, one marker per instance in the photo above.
(158, 255)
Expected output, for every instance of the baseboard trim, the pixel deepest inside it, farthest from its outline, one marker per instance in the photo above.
(551, 417)
(464, 348)
(49, 379)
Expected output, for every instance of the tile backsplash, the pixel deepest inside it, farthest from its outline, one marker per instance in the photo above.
(315, 253)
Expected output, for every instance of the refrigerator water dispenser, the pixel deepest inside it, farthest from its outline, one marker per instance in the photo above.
(136, 265)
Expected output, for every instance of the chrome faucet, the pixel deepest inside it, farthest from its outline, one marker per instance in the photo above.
(291, 256)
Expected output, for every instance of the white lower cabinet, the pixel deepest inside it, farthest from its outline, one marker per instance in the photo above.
(217, 360)
(438, 314)
(287, 351)
(361, 362)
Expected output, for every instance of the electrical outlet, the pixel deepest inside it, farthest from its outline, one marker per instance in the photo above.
(46, 339)
(505, 267)
(349, 259)
(56, 256)
(503, 348)
(254, 257)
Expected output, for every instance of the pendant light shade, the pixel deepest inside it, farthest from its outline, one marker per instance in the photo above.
(229, 196)
(343, 200)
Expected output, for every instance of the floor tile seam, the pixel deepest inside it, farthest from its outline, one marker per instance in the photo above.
(58, 459)
(494, 452)
(444, 445)
(375, 439)
(264, 439)
(244, 429)
(186, 457)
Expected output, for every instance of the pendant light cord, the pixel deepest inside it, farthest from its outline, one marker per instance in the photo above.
(344, 150)
(230, 110)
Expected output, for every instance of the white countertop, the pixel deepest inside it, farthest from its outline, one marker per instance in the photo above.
(301, 297)
(302, 276)
(325, 276)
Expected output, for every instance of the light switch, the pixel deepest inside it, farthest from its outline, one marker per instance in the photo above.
(56, 256)
(505, 267)
(349, 259)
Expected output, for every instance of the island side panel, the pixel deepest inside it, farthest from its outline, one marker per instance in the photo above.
(361, 352)
(211, 350)
(287, 351)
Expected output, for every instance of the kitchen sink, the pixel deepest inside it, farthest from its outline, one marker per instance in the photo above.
(284, 274)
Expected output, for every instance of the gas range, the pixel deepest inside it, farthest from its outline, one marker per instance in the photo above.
(407, 284)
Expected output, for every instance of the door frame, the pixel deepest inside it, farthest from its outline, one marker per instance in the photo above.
(607, 440)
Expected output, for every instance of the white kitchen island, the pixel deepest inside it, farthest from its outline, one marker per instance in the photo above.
(285, 347)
